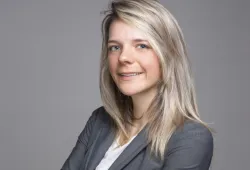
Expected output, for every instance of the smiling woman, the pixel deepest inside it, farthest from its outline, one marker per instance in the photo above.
(149, 119)
(133, 64)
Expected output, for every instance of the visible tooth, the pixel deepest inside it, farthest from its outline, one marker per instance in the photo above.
(133, 74)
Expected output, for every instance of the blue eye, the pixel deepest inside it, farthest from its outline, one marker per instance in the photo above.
(113, 48)
(142, 46)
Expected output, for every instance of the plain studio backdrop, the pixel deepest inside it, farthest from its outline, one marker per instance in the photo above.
(49, 68)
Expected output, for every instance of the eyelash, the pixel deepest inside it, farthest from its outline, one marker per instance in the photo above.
(110, 48)
(145, 46)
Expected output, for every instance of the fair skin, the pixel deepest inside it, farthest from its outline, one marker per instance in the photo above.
(134, 67)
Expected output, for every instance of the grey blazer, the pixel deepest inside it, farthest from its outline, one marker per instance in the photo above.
(189, 148)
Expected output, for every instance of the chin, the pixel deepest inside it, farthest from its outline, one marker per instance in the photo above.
(129, 92)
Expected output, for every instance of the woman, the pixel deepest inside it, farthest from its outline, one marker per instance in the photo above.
(149, 119)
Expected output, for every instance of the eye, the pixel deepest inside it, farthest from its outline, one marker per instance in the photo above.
(142, 46)
(113, 48)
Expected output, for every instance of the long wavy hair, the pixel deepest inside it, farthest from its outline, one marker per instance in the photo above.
(175, 101)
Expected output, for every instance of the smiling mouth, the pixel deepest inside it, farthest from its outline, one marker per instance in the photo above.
(129, 74)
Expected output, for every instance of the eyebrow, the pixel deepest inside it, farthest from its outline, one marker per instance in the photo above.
(133, 40)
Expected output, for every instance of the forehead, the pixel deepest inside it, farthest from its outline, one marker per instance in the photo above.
(120, 30)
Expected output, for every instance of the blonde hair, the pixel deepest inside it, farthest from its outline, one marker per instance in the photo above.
(175, 101)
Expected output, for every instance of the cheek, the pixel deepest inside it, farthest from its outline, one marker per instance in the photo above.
(152, 66)
(112, 64)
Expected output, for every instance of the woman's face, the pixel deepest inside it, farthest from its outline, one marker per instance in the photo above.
(133, 64)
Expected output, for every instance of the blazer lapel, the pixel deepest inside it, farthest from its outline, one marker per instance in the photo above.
(103, 142)
(137, 144)
(99, 148)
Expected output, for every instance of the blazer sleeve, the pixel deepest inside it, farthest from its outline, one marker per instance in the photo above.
(191, 149)
(76, 156)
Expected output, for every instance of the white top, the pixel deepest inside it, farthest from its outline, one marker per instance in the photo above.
(112, 154)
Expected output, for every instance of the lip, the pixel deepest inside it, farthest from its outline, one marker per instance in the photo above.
(128, 73)
(128, 78)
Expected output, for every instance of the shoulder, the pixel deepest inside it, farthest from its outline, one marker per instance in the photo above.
(100, 113)
(190, 146)
(192, 134)
(101, 116)
(192, 129)
(97, 120)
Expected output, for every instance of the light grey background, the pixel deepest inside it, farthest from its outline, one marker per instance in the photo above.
(49, 64)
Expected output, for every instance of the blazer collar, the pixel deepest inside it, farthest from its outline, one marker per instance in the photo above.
(104, 141)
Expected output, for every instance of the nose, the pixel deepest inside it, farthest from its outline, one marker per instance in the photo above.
(126, 56)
